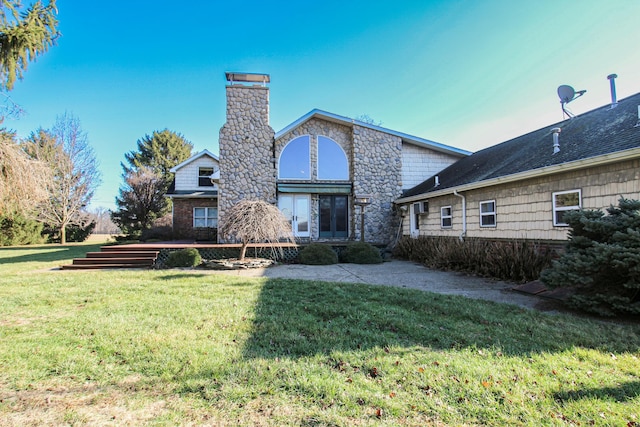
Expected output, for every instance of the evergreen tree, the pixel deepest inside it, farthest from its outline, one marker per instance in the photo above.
(602, 260)
(147, 179)
(25, 33)
(159, 152)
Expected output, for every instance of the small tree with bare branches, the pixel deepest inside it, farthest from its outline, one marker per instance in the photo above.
(255, 221)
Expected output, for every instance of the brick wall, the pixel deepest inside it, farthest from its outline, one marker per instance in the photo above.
(183, 216)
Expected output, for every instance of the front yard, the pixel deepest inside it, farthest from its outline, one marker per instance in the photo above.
(176, 347)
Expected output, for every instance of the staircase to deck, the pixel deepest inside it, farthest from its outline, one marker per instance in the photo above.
(115, 257)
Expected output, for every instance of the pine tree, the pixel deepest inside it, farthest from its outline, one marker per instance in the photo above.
(602, 260)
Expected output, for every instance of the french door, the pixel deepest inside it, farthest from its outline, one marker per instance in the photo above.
(295, 208)
(334, 216)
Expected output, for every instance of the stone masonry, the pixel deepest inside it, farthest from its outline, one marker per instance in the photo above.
(247, 165)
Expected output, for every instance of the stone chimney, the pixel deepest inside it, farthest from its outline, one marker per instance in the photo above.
(247, 166)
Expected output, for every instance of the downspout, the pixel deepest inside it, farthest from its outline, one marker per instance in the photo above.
(464, 215)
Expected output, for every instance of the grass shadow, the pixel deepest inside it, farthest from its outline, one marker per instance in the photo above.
(621, 393)
(295, 318)
(45, 253)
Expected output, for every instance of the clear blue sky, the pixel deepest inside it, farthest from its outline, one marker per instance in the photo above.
(464, 73)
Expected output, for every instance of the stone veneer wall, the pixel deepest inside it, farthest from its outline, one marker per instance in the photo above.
(183, 216)
(247, 166)
(377, 170)
(375, 162)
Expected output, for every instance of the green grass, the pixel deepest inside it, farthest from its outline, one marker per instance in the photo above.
(178, 347)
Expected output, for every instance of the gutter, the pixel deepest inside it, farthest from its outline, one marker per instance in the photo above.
(619, 156)
(464, 215)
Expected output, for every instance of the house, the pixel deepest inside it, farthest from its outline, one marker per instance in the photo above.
(521, 189)
(316, 169)
(195, 197)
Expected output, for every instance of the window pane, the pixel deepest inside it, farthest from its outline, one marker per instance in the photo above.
(198, 212)
(446, 211)
(295, 160)
(446, 222)
(332, 161)
(487, 220)
(487, 207)
(567, 199)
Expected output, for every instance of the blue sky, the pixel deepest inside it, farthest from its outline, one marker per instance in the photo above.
(464, 73)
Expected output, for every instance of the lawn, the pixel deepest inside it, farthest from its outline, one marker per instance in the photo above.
(178, 347)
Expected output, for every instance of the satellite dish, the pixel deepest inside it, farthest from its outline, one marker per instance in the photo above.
(566, 93)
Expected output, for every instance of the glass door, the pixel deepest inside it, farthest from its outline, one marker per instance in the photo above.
(334, 216)
(295, 208)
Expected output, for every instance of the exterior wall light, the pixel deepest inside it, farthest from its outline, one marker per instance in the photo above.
(362, 201)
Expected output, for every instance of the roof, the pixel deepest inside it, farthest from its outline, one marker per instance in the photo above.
(193, 158)
(406, 138)
(602, 135)
(191, 194)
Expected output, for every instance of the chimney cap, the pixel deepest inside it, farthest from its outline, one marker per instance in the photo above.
(247, 77)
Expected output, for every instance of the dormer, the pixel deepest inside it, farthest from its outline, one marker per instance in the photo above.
(197, 173)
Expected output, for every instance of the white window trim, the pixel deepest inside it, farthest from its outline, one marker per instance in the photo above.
(565, 208)
(443, 216)
(486, 214)
(213, 170)
(206, 215)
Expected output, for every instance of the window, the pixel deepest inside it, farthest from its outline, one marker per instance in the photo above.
(295, 162)
(563, 202)
(446, 217)
(332, 161)
(203, 177)
(488, 213)
(205, 217)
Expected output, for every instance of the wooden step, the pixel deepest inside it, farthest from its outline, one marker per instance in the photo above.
(123, 254)
(119, 260)
(101, 266)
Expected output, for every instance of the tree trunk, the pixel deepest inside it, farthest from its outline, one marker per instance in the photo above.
(63, 235)
(243, 250)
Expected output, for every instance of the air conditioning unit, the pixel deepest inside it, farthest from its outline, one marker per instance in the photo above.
(421, 207)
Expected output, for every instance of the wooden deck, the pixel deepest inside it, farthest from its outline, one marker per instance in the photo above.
(145, 255)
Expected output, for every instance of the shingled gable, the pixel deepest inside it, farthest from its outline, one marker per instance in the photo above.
(193, 158)
(597, 137)
(406, 138)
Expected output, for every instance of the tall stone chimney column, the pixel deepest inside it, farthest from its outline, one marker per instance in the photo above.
(247, 166)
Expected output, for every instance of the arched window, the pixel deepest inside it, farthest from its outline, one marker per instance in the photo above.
(295, 162)
(332, 160)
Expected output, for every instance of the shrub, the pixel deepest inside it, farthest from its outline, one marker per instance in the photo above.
(514, 260)
(74, 232)
(19, 230)
(317, 254)
(602, 260)
(189, 257)
(361, 253)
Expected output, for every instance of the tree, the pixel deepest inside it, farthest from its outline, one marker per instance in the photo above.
(602, 260)
(25, 33)
(22, 179)
(140, 201)
(147, 179)
(159, 152)
(255, 221)
(75, 172)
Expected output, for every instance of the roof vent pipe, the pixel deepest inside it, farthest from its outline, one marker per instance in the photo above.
(437, 181)
(556, 138)
(612, 83)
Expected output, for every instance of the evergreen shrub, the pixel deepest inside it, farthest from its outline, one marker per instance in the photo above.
(188, 257)
(19, 230)
(317, 254)
(361, 253)
(602, 260)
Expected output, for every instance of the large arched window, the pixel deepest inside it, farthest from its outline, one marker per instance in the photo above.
(332, 160)
(295, 162)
